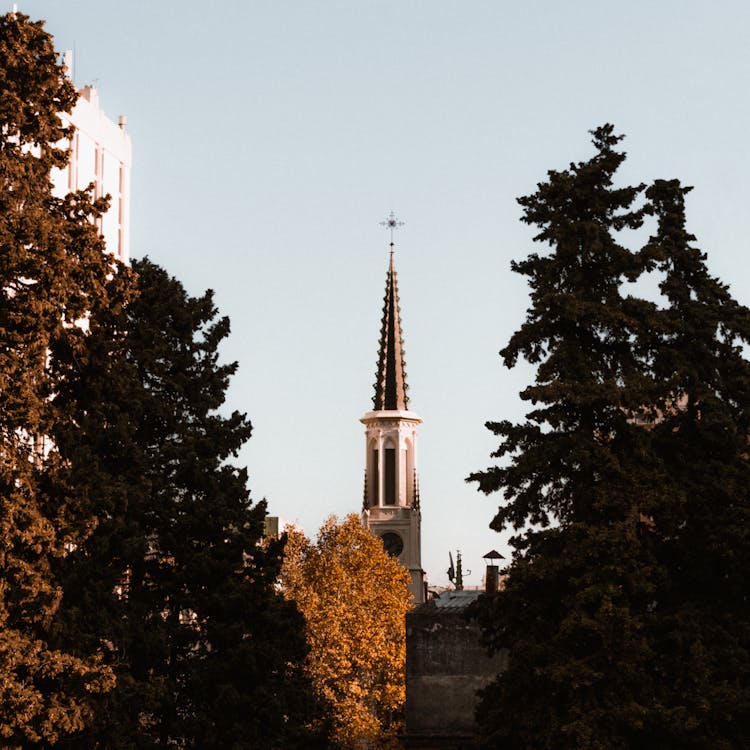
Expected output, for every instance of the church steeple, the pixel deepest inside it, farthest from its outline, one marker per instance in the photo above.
(391, 507)
(390, 378)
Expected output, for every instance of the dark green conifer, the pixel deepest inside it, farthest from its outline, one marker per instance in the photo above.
(578, 480)
(702, 616)
(626, 606)
(207, 652)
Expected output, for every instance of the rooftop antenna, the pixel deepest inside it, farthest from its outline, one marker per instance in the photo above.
(67, 62)
(456, 574)
(460, 572)
(391, 223)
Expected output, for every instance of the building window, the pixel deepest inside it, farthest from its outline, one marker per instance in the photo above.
(375, 474)
(390, 476)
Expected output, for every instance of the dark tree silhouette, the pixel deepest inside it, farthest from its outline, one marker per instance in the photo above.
(625, 607)
(206, 650)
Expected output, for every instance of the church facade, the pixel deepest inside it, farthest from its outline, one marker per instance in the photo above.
(391, 508)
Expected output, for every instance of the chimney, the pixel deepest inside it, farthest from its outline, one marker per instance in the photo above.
(492, 576)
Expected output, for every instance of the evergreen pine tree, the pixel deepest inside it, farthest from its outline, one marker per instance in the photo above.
(702, 617)
(579, 479)
(628, 619)
(52, 268)
(207, 652)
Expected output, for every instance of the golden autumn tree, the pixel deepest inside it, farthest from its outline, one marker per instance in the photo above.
(354, 597)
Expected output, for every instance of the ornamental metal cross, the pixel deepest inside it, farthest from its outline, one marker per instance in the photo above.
(391, 223)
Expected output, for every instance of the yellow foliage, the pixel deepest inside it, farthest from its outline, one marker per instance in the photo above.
(354, 596)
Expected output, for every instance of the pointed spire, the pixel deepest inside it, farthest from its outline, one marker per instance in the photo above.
(390, 383)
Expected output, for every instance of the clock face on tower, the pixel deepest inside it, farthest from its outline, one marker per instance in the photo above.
(393, 543)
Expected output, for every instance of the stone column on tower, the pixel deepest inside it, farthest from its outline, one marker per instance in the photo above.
(391, 492)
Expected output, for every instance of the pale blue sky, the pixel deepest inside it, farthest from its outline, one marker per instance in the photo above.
(270, 138)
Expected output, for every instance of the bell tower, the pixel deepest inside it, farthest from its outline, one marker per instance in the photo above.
(391, 490)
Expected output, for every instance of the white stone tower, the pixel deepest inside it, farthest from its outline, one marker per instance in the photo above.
(391, 494)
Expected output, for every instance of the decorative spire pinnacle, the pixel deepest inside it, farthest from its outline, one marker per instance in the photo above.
(390, 383)
(392, 223)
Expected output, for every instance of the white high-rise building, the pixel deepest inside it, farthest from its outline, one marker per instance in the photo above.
(100, 153)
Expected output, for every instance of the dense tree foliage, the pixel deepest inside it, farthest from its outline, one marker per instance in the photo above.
(625, 606)
(206, 652)
(138, 608)
(52, 267)
(701, 440)
(354, 596)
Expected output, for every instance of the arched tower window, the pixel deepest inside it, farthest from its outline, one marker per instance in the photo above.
(390, 485)
(408, 471)
(374, 489)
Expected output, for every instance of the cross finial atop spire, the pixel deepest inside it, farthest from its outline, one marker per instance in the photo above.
(391, 223)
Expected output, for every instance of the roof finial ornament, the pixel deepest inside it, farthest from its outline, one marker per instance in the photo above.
(391, 223)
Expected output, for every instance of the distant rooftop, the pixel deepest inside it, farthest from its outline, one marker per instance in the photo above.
(455, 600)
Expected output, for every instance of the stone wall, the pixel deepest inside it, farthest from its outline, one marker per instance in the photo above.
(445, 666)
